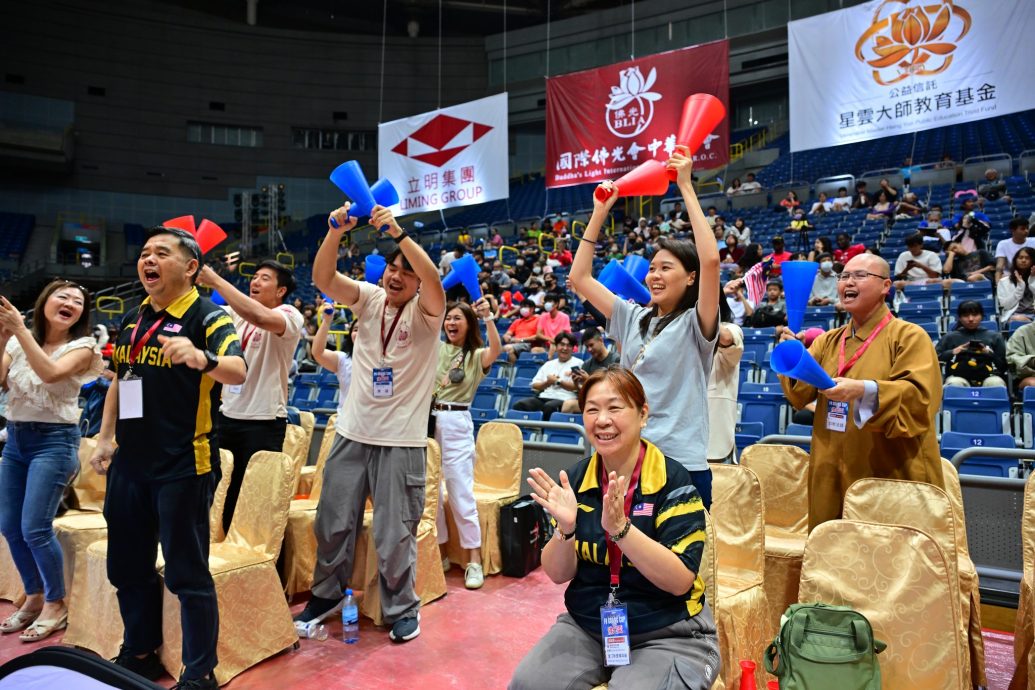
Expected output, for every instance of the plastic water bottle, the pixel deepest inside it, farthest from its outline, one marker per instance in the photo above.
(349, 619)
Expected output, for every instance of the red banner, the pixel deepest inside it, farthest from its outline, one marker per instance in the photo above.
(601, 123)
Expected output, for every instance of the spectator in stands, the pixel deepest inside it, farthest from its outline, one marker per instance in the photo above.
(771, 311)
(253, 416)
(713, 216)
(800, 226)
(160, 411)
(521, 336)
(42, 368)
(497, 238)
(992, 187)
(561, 254)
(863, 198)
(778, 255)
(1016, 290)
(598, 356)
(613, 252)
(790, 202)
(553, 383)
(723, 384)
(845, 249)
(889, 190)
(916, 264)
(945, 162)
(821, 206)
(734, 187)
(676, 332)
(934, 234)
(736, 299)
(909, 207)
(535, 291)
(731, 253)
(879, 422)
(381, 435)
(883, 209)
(560, 226)
(719, 226)
(522, 270)
(552, 321)
(824, 288)
(961, 267)
(973, 356)
(751, 186)
(449, 257)
(822, 245)
(1020, 355)
(841, 202)
(462, 364)
(1006, 249)
(669, 620)
(970, 228)
(338, 362)
(742, 231)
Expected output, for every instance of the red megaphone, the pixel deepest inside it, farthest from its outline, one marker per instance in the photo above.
(702, 112)
(209, 235)
(646, 179)
(182, 223)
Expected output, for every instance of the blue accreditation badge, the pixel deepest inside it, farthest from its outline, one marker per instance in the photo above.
(837, 415)
(614, 630)
(383, 382)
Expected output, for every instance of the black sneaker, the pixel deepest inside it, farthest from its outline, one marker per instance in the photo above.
(318, 609)
(405, 629)
(149, 667)
(208, 683)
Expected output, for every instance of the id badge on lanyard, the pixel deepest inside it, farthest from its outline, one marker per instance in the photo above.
(383, 377)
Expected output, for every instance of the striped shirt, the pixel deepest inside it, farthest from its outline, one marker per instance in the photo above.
(174, 439)
(675, 519)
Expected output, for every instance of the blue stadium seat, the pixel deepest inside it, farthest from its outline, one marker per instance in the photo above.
(766, 408)
(976, 410)
(747, 433)
(953, 442)
(528, 433)
(479, 417)
(565, 436)
(525, 369)
(487, 399)
(798, 430)
(566, 418)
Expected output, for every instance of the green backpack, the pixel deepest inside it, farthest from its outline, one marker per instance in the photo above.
(822, 647)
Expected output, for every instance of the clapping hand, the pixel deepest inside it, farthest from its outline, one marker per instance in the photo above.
(557, 499)
(482, 308)
(11, 320)
(612, 516)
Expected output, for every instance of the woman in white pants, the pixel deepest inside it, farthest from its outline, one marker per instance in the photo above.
(462, 363)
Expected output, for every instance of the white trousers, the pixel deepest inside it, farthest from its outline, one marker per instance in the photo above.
(454, 431)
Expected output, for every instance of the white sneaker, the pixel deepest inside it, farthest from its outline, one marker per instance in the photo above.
(446, 565)
(473, 576)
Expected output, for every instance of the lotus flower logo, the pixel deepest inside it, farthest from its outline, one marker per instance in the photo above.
(908, 41)
(631, 107)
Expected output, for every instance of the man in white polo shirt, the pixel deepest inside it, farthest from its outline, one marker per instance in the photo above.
(1006, 249)
(253, 415)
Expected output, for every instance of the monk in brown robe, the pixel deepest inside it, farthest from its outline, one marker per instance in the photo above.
(878, 421)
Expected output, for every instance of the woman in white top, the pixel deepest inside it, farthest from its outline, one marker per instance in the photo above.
(43, 369)
(723, 384)
(670, 343)
(1016, 290)
(337, 361)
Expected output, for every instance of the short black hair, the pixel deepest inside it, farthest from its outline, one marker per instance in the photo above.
(285, 278)
(1018, 222)
(564, 335)
(589, 334)
(187, 242)
(824, 255)
(394, 254)
(915, 239)
(969, 306)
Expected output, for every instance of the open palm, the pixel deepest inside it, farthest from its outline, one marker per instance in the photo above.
(558, 499)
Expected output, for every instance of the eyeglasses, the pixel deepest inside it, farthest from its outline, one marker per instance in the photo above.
(858, 275)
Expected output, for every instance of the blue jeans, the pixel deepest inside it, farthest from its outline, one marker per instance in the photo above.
(38, 461)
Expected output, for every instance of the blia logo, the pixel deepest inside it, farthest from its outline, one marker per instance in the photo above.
(442, 138)
(630, 107)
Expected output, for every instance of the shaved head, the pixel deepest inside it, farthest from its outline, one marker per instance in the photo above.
(869, 262)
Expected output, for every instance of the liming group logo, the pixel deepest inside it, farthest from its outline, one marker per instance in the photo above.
(440, 139)
(907, 40)
(631, 105)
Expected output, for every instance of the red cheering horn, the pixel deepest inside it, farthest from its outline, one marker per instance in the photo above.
(209, 235)
(702, 112)
(646, 179)
(182, 223)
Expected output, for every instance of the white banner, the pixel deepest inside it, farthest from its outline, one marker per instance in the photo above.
(895, 66)
(455, 156)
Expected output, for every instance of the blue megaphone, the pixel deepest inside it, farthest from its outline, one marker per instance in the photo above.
(373, 268)
(217, 299)
(791, 359)
(348, 177)
(798, 277)
(637, 266)
(385, 194)
(616, 279)
(464, 271)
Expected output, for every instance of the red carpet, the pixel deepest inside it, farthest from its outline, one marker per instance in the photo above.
(470, 640)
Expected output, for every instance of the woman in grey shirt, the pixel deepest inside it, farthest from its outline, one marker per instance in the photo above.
(670, 342)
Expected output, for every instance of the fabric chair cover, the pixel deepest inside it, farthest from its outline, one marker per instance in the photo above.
(969, 585)
(215, 514)
(299, 538)
(783, 472)
(497, 482)
(297, 447)
(10, 582)
(922, 506)
(89, 487)
(254, 618)
(1024, 627)
(739, 540)
(431, 581)
(898, 577)
(313, 473)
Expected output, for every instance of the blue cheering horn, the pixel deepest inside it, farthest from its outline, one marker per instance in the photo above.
(464, 271)
(791, 359)
(618, 280)
(348, 177)
(637, 266)
(217, 299)
(373, 268)
(798, 277)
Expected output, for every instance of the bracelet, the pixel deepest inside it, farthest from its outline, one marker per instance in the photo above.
(621, 535)
(402, 236)
(565, 537)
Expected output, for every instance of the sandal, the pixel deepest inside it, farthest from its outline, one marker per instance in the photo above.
(43, 629)
(19, 620)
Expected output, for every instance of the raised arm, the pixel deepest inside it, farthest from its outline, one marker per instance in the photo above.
(49, 370)
(481, 307)
(325, 264)
(581, 274)
(319, 351)
(704, 237)
(250, 310)
(432, 297)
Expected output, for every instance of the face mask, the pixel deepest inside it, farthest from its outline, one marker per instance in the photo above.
(520, 262)
(826, 266)
(537, 270)
(548, 306)
(525, 311)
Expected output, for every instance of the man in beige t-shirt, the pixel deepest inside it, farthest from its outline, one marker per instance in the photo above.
(381, 435)
(253, 415)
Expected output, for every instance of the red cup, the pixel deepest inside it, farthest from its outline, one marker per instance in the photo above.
(747, 675)
(209, 235)
(649, 178)
(182, 223)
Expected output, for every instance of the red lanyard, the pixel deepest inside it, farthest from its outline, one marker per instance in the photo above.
(395, 322)
(842, 365)
(136, 346)
(614, 551)
(247, 336)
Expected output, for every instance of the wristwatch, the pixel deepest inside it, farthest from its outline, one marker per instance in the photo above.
(211, 362)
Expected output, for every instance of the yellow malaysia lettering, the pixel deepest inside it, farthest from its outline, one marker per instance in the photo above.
(584, 553)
